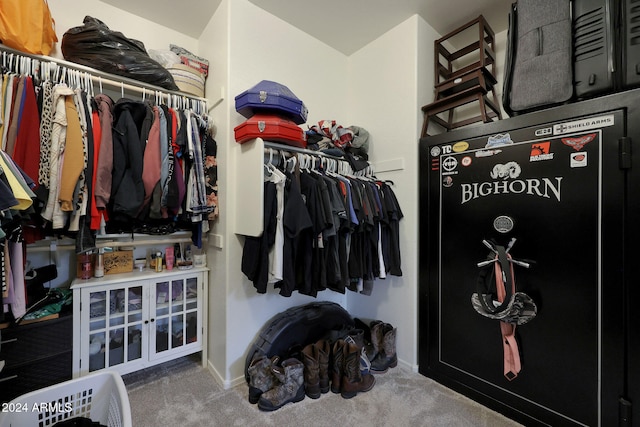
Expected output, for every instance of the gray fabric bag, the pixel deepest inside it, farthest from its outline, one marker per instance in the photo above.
(539, 63)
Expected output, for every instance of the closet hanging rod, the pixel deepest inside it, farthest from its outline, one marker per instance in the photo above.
(108, 79)
(284, 147)
(368, 171)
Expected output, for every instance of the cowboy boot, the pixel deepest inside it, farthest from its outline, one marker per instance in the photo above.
(368, 345)
(261, 377)
(291, 388)
(311, 374)
(356, 337)
(323, 348)
(337, 364)
(353, 380)
(376, 338)
(387, 357)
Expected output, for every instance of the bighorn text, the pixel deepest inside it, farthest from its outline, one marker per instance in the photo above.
(538, 187)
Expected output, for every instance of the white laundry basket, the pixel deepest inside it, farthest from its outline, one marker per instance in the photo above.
(100, 396)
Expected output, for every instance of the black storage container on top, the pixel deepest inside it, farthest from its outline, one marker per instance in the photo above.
(606, 43)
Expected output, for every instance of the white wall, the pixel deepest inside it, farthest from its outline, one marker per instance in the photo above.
(272, 50)
(500, 47)
(381, 96)
(386, 87)
(214, 45)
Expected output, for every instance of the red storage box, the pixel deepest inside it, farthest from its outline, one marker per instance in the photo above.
(271, 128)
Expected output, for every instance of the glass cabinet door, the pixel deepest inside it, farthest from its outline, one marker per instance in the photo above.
(176, 314)
(115, 326)
(131, 324)
(191, 310)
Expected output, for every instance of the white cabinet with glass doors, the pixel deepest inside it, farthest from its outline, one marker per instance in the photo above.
(130, 321)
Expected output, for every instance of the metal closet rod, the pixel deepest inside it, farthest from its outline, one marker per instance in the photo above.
(98, 76)
(274, 145)
(284, 147)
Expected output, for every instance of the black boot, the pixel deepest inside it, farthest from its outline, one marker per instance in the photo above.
(368, 341)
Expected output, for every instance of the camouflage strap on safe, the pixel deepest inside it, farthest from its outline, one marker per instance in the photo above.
(511, 308)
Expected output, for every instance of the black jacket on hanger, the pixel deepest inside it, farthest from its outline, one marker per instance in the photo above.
(130, 133)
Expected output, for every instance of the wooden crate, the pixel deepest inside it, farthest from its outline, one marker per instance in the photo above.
(118, 262)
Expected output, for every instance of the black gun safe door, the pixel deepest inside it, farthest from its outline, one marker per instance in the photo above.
(553, 182)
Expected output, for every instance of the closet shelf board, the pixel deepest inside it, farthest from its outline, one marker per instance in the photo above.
(101, 77)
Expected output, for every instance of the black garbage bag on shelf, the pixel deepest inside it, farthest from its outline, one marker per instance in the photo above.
(94, 45)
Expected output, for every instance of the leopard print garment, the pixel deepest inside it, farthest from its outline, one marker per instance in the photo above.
(46, 124)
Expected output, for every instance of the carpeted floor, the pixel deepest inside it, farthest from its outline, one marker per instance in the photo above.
(184, 394)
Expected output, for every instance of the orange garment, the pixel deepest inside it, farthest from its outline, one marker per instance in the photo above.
(73, 162)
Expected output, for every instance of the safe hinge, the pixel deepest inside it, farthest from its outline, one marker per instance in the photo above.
(624, 147)
(624, 412)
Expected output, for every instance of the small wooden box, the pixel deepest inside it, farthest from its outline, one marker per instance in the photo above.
(118, 262)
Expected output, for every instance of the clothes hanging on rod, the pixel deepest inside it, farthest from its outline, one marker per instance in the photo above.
(322, 229)
(76, 163)
(15, 198)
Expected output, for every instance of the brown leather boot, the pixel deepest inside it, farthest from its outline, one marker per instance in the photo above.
(337, 363)
(386, 357)
(356, 337)
(353, 380)
(311, 371)
(376, 338)
(324, 350)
